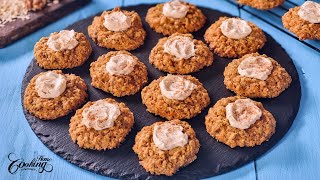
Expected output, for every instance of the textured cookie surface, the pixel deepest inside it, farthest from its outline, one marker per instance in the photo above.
(192, 22)
(129, 39)
(89, 138)
(231, 48)
(167, 162)
(169, 63)
(262, 4)
(69, 58)
(118, 85)
(277, 81)
(114, 164)
(175, 109)
(303, 29)
(218, 126)
(49, 109)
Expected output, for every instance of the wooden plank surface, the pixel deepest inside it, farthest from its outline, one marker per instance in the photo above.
(297, 156)
(15, 30)
(17, 137)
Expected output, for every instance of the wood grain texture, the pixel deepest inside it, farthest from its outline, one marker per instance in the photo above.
(214, 158)
(18, 136)
(15, 30)
(295, 157)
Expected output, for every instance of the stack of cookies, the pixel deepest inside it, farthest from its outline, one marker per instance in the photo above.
(236, 121)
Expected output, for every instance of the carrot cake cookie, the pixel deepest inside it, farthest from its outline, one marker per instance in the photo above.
(101, 124)
(175, 16)
(52, 94)
(304, 21)
(256, 75)
(61, 50)
(238, 121)
(119, 73)
(117, 29)
(175, 97)
(234, 37)
(180, 54)
(164, 147)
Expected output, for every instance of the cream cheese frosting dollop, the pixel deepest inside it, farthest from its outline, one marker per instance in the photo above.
(235, 28)
(176, 87)
(180, 46)
(65, 39)
(255, 67)
(100, 115)
(175, 9)
(310, 11)
(120, 64)
(50, 85)
(243, 113)
(117, 21)
(167, 136)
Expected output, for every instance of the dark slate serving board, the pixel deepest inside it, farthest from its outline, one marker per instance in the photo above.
(213, 158)
(15, 30)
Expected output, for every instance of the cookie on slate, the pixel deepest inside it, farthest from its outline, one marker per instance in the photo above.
(106, 137)
(66, 49)
(186, 97)
(302, 28)
(117, 29)
(172, 54)
(167, 162)
(109, 73)
(218, 126)
(276, 82)
(231, 48)
(71, 98)
(181, 17)
(262, 4)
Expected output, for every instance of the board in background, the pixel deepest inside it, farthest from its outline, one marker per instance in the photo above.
(17, 29)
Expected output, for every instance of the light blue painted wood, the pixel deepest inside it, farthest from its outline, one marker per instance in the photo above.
(297, 156)
(17, 137)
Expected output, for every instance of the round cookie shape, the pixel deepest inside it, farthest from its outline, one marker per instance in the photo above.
(108, 138)
(191, 22)
(52, 108)
(170, 109)
(218, 126)
(231, 48)
(301, 28)
(262, 4)
(166, 62)
(129, 38)
(51, 58)
(166, 162)
(118, 84)
(276, 82)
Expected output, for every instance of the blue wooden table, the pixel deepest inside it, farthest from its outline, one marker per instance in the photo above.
(296, 156)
